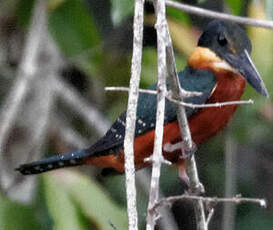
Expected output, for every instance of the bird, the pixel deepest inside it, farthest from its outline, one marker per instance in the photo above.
(218, 67)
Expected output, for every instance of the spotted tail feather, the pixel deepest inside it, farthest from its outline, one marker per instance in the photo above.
(51, 163)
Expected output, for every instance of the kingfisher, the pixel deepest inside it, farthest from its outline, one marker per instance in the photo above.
(219, 68)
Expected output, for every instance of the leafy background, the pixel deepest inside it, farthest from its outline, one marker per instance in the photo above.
(95, 41)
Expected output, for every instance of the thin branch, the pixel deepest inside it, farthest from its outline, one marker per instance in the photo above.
(127, 89)
(212, 14)
(167, 221)
(131, 115)
(229, 210)
(149, 91)
(70, 96)
(209, 105)
(210, 215)
(190, 105)
(188, 145)
(215, 200)
(161, 30)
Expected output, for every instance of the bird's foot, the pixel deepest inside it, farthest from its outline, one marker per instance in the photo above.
(193, 190)
(187, 153)
(197, 190)
(183, 175)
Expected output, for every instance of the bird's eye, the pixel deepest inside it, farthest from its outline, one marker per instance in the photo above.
(222, 40)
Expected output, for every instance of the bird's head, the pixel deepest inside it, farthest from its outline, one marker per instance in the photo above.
(228, 47)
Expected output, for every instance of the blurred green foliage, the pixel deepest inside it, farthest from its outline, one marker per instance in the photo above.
(74, 201)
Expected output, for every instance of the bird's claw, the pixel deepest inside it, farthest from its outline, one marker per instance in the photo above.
(188, 153)
(197, 190)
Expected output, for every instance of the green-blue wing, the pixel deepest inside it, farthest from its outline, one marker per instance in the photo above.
(190, 80)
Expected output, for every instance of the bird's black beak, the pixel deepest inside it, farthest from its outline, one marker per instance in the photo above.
(242, 63)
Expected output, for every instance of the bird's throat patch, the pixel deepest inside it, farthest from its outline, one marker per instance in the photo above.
(204, 58)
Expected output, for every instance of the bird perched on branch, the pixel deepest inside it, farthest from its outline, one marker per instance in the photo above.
(219, 67)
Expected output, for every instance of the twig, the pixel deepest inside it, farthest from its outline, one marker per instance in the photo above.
(212, 14)
(70, 96)
(215, 200)
(167, 221)
(229, 210)
(149, 91)
(211, 212)
(161, 30)
(190, 105)
(131, 115)
(209, 105)
(127, 89)
(188, 145)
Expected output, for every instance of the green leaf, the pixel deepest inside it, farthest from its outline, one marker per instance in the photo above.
(149, 67)
(61, 206)
(178, 14)
(15, 216)
(235, 6)
(69, 191)
(24, 11)
(73, 28)
(120, 10)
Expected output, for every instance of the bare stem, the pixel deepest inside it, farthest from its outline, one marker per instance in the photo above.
(131, 115)
(188, 145)
(209, 105)
(149, 91)
(161, 29)
(236, 200)
(190, 105)
(229, 210)
(210, 215)
(212, 14)
(167, 221)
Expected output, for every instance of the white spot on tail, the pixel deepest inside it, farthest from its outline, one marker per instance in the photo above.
(121, 121)
(113, 130)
